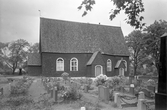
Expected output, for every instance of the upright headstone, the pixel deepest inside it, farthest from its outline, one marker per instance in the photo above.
(132, 89)
(141, 95)
(161, 95)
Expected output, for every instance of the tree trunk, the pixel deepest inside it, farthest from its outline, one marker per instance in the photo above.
(13, 71)
(14, 68)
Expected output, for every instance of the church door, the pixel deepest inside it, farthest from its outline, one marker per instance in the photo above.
(121, 71)
(98, 70)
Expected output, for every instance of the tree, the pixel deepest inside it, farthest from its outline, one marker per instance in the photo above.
(132, 8)
(135, 43)
(2, 45)
(34, 48)
(14, 55)
(154, 32)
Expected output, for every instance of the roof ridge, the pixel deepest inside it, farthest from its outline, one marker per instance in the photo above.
(79, 22)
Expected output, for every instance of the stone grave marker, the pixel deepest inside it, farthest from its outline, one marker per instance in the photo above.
(132, 89)
(103, 93)
(117, 100)
(141, 95)
(141, 105)
(6, 90)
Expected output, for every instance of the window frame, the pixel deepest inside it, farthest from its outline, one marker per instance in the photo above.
(73, 66)
(59, 66)
(109, 65)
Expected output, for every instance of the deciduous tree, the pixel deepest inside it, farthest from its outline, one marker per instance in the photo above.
(14, 55)
(152, 40)
(132, 8)
(135, 44)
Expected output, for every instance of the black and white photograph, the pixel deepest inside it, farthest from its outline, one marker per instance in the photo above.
(83, 54)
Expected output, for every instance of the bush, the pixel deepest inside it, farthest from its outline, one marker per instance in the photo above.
(101, 80)
(21, 86)
(71, 94)
(65, 75)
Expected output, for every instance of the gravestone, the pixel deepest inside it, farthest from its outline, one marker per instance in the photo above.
(103, 93)
(161, 95)
(132, 89)
(141, 95)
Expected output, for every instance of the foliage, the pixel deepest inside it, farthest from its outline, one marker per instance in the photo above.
(71, 94)
(152, 41)
(136, 44)
(15, 102)
(100, 80)
(51, 83)
(34, 48)
(151, 82)
(65, 75)
(132, 8)
(113, 82)
(15, 53)
(21, 87)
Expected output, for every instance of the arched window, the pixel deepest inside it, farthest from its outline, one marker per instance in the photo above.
(109, 65)
(74, 64)
(60, 64)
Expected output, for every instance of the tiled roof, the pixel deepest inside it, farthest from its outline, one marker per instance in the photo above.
(34, 59)
(73, 37)
(92, 58)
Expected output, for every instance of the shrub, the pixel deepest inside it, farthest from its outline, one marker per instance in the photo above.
(21, 86)
(113, 82)
(151, 82)
(71, 94)
(65, 75)
(100, 80)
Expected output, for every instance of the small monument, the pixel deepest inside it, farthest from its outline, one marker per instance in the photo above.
(161, 95)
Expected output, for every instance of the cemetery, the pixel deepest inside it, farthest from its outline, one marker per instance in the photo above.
(100, 93)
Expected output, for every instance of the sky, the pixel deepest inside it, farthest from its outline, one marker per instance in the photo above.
(19, 19)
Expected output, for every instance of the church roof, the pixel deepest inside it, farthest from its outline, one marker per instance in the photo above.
(73, 37)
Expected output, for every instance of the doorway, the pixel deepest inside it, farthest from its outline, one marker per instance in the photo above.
(121, 71)
(98, 70)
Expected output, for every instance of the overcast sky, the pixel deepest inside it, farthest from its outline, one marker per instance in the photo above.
(20, 18)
